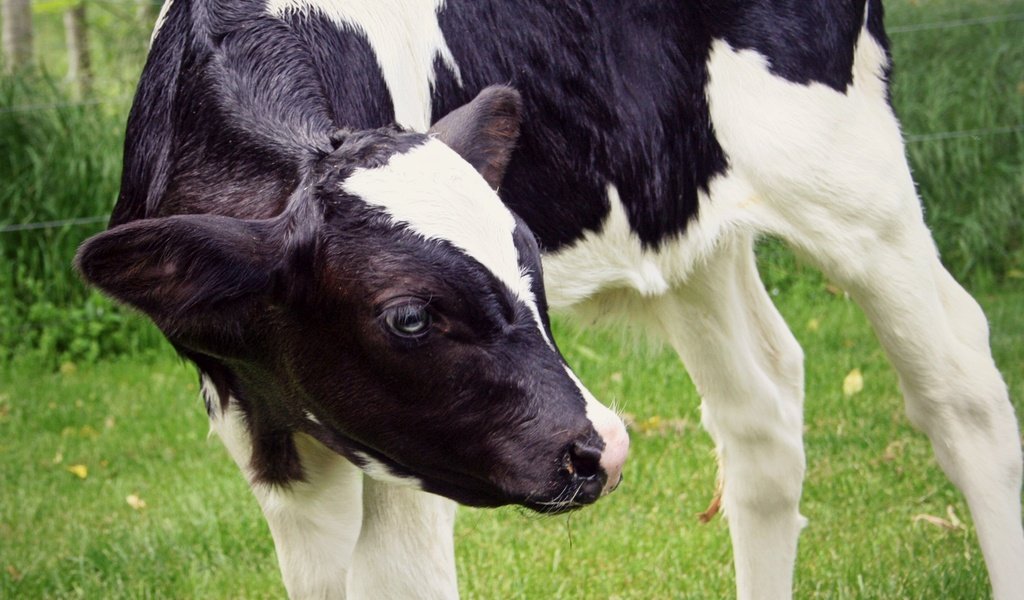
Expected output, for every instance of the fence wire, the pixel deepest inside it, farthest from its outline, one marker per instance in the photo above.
(58, 105)
(913, 138)
(908, 139)
(52, 224)
(955, 24)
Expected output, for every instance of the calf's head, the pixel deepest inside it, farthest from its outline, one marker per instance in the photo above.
(394, 311)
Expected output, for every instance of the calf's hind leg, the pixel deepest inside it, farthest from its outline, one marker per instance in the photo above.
(831, 178)
(937, 338)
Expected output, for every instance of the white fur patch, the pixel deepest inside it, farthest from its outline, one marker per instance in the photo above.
(438, 195)
(612, 431)
(406, 548)
(160, 18)
(614, 257)
(789, 146)
(405, 37)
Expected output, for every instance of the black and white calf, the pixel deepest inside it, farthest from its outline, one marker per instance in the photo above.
(358, 299)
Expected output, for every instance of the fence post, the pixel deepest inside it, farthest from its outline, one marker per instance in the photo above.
(17, 34)
(79, 67)
(145, 13)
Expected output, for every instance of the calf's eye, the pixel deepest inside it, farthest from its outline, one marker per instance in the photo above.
(407, 320)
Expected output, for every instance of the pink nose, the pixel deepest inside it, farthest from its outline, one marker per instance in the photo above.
(612, 430)
(616, 448)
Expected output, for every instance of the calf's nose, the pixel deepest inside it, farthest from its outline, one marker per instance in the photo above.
(612, 431)
(616, 448)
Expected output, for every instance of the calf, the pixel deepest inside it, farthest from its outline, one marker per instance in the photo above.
(356, 297)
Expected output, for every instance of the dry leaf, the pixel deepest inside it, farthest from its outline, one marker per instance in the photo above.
(853, 383)
(714, 506)
(135, 502)
(656, 425)
(80, 471)
(937, 521)
(14, 573)
(814, 324)
(952, 517)
(894, 450)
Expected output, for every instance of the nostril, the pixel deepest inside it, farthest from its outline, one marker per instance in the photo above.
(585, 460)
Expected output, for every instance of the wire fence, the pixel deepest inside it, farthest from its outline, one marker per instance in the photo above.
(909, 139)
(52, 224)
(912, 138)
(60, 105)
(956, 24)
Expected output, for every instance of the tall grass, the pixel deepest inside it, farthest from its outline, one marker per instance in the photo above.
(60, 159)
(965, 78)
(56, 164)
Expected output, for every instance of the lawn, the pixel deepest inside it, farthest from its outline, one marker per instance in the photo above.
(110, 487)
(76, 444)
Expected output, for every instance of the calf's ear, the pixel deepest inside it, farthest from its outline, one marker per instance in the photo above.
(181, 269)
(484, 132)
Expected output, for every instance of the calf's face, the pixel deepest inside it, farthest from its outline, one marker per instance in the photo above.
(394, 312)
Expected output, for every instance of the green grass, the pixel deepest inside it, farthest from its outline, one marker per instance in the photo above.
(139, 428)
(58, 162)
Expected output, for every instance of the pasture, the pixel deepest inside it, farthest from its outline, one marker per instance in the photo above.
(110, 488)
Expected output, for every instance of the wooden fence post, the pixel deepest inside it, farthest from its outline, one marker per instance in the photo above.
(145, 12)
(17, 34)
(79, 66)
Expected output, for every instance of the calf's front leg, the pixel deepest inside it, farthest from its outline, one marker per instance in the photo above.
(315, 523)
(406, 547)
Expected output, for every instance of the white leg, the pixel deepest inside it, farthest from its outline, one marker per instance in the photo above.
(831, 177)
(406, 548)
(937, 338)
(749, 371)
(315, 524)
(860, 220)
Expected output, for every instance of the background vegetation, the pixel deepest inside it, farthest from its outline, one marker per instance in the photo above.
(108, 486)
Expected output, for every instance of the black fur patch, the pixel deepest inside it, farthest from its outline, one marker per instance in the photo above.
(804, 40)
(612, 94)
